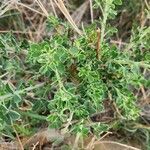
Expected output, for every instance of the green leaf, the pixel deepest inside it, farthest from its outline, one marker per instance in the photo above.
(13, 115)
(17, 99)
(10, 87)
(118, 2)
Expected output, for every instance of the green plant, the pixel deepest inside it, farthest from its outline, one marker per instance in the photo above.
(108, 11)
(78, 77)
(14, 84)
(81, 82)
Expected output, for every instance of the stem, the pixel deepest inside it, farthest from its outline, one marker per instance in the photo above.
(17, 136)
(98, 44)
(116, 143)
(59, 79)
(21, 91)
(3, 75)
(103, 24)
(91, 11)
(129, 62)
(35, 116)
(105, 12)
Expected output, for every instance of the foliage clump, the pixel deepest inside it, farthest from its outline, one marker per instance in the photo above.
(87, 83)
(81, 83)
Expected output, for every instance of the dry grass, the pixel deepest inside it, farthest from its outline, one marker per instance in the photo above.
(44, 139)
(30, 15)
(33, 15)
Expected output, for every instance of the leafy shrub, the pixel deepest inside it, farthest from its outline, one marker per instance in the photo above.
(82, 83)
(84, 75)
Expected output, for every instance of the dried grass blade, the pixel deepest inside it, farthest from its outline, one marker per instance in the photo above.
(63, 9)
(78, 14)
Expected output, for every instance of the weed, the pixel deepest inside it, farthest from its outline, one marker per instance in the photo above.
(81, 85)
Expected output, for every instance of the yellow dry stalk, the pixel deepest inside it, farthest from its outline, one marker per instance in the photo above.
(64, 10)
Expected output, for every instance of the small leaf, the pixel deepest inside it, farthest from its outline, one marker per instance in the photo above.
(118, 2)
(10, 87)
(13, 115)
(17, 98)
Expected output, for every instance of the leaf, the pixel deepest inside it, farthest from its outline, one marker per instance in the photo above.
(118, 2)
(17, 98)
(13, 115)
(10, 87)
(54, 120)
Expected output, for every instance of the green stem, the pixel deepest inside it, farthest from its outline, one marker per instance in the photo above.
(21, 91)
(59, 79)
(32, 115)
(103, 24)
(129, 62)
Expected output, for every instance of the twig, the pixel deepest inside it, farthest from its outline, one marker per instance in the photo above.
(51, 1)
(120, 144)
(35, 145)
(63, 9)
(91, 11)
(4, 8)
(143, 91)
(19, 141)
(91, 144)
(105, 135)
(78, 136)
(147, 5)
(65, 130)
(118, 42)
(98, 43)
(3, 75)
(42, 8)
(21, 4)
(77, 15)
(114, 105)
(141, 126)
